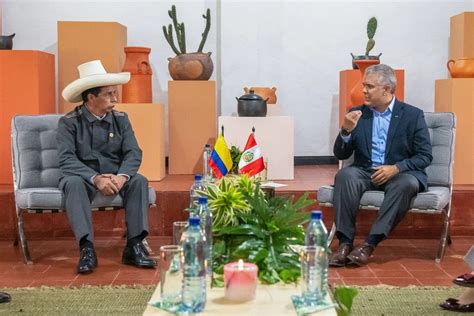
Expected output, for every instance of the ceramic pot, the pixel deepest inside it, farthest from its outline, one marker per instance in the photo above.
(251, 104)
(357, 95)
(6, 41)
(363, 57)
(192, 66)
(461, 68)
(138, 89)
(265, 93)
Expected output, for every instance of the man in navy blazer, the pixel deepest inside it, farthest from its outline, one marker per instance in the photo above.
(391, 146)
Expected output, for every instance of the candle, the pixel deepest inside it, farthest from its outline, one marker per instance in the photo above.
(240, 281)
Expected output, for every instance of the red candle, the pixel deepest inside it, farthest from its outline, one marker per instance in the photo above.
(240, 280)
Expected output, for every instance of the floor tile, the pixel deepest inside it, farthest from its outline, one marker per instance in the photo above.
(399, 281)
(361, 281)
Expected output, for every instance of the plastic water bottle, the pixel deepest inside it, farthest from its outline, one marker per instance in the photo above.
(315, 263)
(194, 278)
(198, 185)
(206, 170)
(205, 216)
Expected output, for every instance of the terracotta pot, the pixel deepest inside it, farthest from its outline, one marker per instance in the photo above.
(364, 57)
(265, 93)
(192, 66)
(6, 41)
(357, 96)
(138, 89)
(461, 68)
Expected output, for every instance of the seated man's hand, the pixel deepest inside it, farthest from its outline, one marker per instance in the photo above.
(105, 184)
(350, 120)
(119, 181)
(384, 173)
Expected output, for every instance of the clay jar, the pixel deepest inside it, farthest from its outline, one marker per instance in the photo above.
(192, 66)
(6, 41)
(461, 68)
(265, 93)
(357, 95)
(138, 89)
(251, 104)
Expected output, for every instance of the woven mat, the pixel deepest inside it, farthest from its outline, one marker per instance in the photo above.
(123, 300)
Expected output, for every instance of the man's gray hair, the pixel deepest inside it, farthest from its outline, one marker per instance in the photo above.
(386, 75)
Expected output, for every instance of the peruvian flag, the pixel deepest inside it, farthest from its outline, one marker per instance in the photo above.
(251, 161)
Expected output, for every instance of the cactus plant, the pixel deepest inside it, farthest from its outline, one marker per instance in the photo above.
(371, 28)
(181, 34)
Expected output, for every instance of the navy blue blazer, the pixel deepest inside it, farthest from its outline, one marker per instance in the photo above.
(408, 141)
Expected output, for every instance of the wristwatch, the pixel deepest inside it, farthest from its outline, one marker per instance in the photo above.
(345, 132)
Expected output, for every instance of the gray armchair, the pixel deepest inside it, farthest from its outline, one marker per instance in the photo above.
(437, 199)
(36, 172)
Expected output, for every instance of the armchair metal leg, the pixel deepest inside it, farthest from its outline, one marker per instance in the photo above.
(445, 238)
(332, 233)
(21, 235)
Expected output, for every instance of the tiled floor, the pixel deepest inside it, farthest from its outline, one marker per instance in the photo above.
(398, 262)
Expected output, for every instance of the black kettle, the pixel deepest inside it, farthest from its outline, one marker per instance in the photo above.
(251, 104)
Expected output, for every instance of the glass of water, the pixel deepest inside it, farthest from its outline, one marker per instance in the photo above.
(171, 274)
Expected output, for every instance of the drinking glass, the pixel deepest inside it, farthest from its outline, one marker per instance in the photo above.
(178, 229)
(171, 274)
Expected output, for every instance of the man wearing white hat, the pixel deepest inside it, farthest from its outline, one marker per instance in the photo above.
(98, 151)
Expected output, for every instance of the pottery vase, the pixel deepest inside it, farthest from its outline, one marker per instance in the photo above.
(192, 66)
(139, 88)
(357, 95)
(461, 68)
(6, 41)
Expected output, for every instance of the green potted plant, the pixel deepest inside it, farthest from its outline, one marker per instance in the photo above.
(187, 66)
(371, 29)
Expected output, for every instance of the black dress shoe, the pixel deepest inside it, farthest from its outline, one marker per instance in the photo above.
(360, 256)
(339, 258)
(465, 280)
(87, 261)
(5, 297)
(136, 255)
(452, 304)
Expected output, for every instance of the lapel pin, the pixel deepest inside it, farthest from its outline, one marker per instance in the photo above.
(111, 135)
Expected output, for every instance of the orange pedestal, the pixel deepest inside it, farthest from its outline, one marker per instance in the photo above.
(348, 79)
(80, 42)
(148, 121)
(192, 121)
(457, 95)
(461, 39)
(26, 87)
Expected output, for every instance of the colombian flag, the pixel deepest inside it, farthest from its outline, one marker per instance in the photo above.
(221, 161)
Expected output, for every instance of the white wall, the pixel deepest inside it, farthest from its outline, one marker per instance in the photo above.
(298, 46)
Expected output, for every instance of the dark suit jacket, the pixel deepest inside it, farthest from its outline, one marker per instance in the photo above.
(408, 141)
(88, 146)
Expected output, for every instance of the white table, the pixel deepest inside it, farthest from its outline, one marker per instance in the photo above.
(271, 300)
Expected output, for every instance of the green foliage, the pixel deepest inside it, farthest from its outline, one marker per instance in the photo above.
(371, 29)
(181, 33)
(235, 154)
(344, 296)
(227, 199)
(264, 235)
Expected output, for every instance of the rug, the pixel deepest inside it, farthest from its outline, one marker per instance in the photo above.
(123, 300)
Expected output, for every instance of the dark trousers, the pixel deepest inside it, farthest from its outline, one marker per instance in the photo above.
(349, 186)
(79, 193)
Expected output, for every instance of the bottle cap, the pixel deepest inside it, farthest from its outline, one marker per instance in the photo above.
(207, 146)
(194, 221)
(316, 214)
(203, 200)
(198, 177)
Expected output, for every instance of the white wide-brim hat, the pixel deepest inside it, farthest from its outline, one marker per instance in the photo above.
(92, 75)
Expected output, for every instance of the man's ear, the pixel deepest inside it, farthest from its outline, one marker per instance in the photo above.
(90, 97)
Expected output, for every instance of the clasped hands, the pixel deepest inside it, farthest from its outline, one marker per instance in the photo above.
(109, 184)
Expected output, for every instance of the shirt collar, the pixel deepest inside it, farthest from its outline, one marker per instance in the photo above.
(91, 117)
(388, 110)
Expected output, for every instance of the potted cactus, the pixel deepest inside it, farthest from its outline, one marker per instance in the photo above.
(371, 29)
(187, 66)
